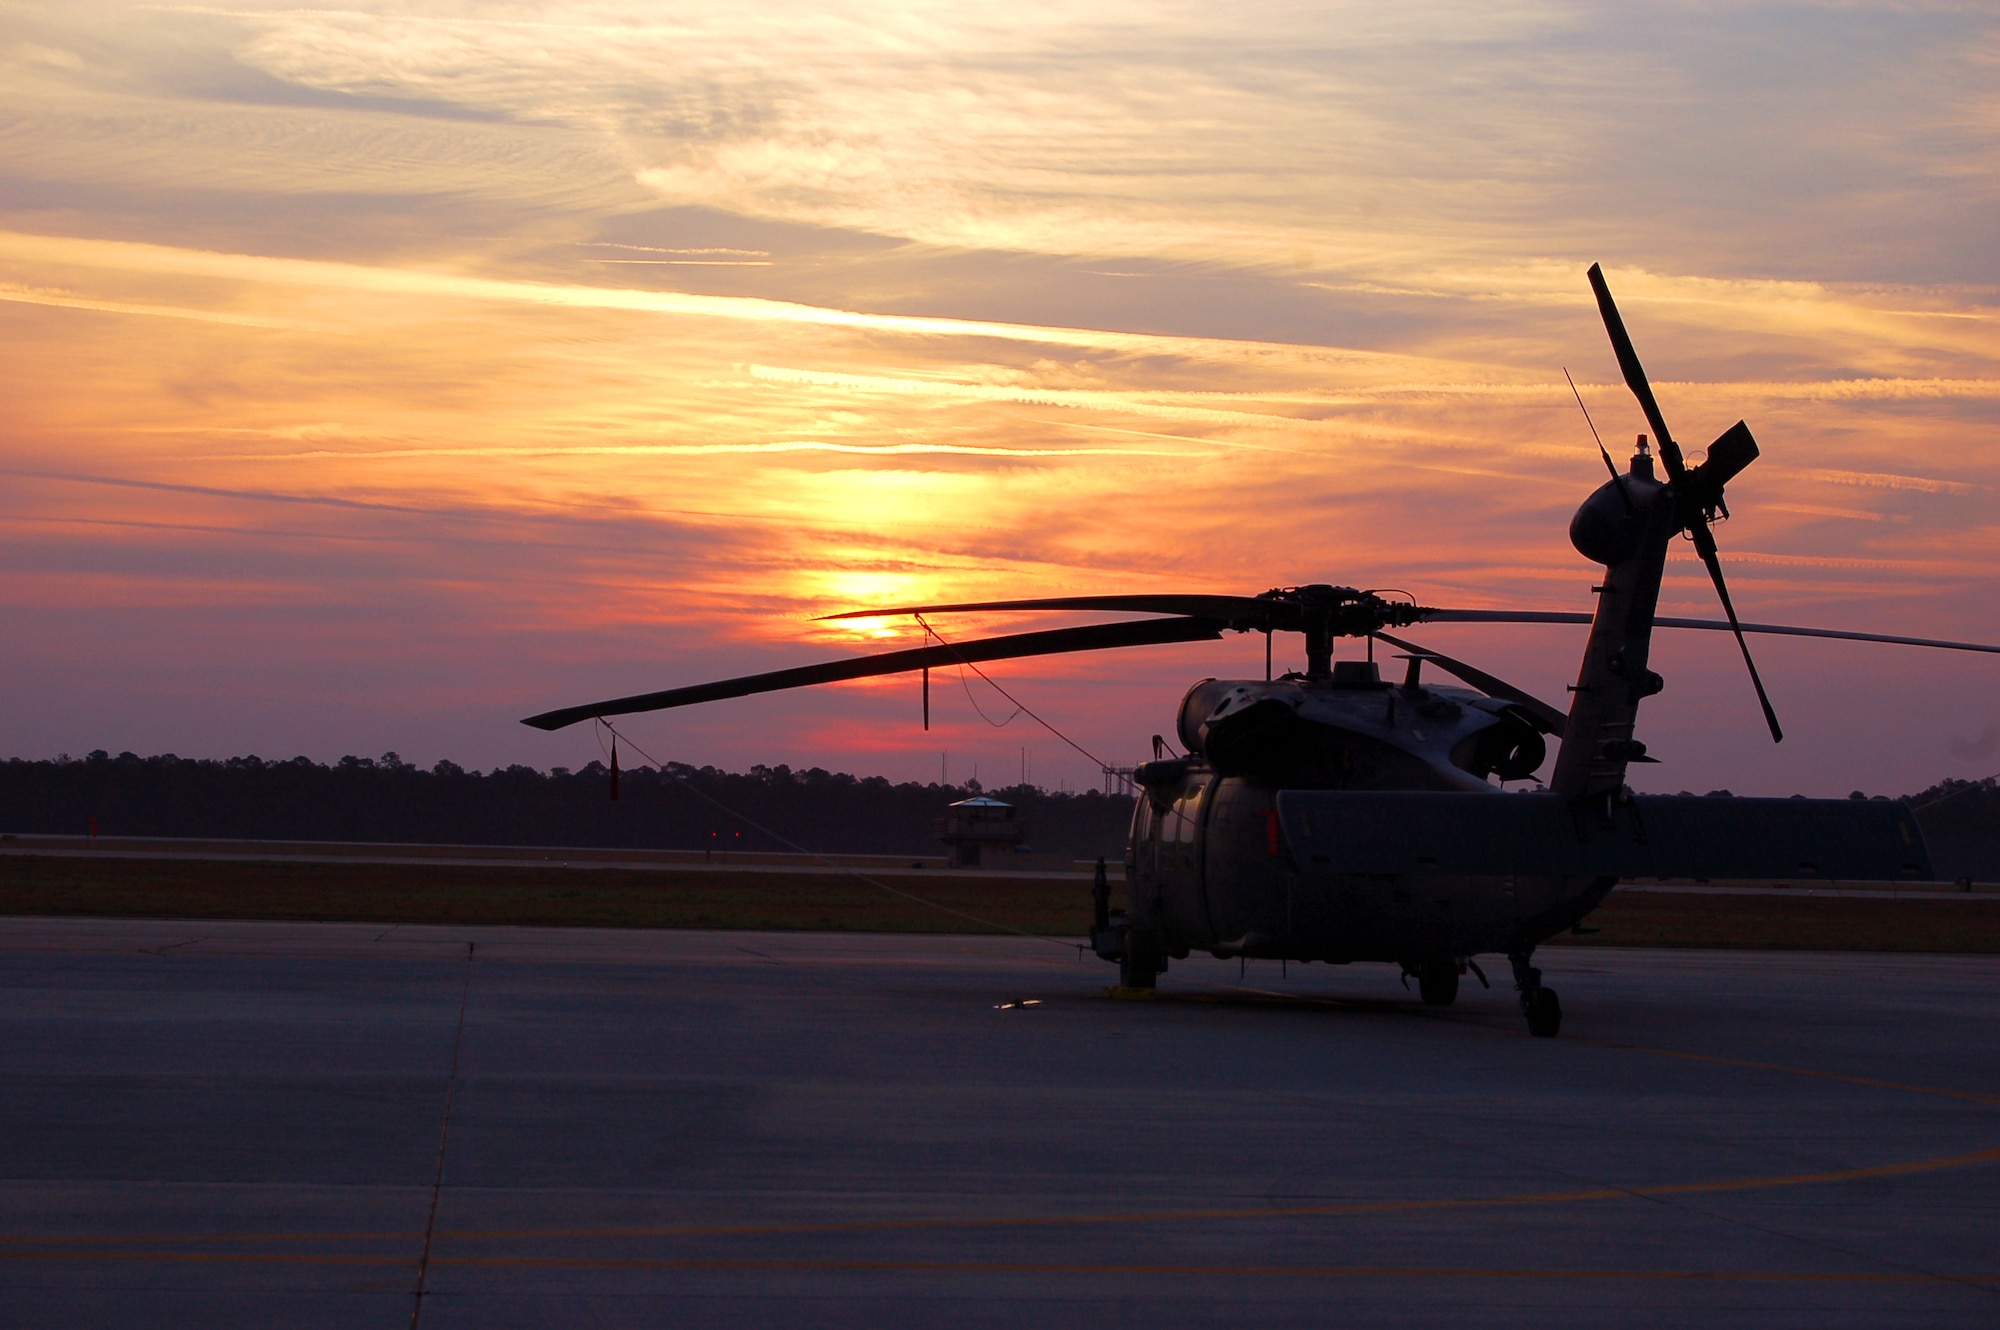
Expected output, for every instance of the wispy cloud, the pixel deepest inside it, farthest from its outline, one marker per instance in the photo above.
(997, 453)
(30, 295)
(1886, 480)
(396, 281)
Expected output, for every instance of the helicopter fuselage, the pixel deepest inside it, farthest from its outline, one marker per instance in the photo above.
(1209, 866)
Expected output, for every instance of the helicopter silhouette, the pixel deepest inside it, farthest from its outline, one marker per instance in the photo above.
(1331, 815)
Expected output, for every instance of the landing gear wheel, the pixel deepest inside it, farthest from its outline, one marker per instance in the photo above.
(1544, 1012)
(1438, 983)
(1139, 966)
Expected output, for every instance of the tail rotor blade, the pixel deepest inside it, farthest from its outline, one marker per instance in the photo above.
(1727, 456)
(1705, 544)
(1635, 374)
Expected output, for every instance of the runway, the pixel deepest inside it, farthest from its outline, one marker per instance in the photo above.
(226, 1124)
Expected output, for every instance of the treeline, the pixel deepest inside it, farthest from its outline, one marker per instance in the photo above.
(386, 799)
(682, 807)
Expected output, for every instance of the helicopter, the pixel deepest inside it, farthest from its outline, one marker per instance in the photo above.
(1333, 815)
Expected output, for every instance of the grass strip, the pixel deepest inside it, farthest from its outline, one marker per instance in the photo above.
(1828, 922)
(550, 895)
(538, 895)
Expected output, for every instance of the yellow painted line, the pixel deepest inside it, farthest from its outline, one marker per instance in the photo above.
(213, 1257)
(1293, 1271)
(1516, 1200)
(1987, 1156)
(1031, 1267)
(405, 1235)
(1869, 1081)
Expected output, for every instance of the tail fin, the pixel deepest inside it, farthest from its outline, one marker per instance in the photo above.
(1626, 526)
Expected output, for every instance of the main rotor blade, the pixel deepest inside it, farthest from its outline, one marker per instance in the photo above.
(1203, 606)
(1503, 616)
(1635, 374)
(1095, 637)
(1718, 625)
(1231, 609)
(1550, 720)
(1234, 609)
(1710, 625)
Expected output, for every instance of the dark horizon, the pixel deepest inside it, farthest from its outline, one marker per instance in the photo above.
(387, 800)
(766, 808)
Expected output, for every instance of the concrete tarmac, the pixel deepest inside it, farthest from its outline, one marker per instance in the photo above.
(240, 1124)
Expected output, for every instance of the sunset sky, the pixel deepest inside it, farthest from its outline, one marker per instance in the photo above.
(377, 376)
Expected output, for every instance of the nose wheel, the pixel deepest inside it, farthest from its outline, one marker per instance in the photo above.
(1540, 1005)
